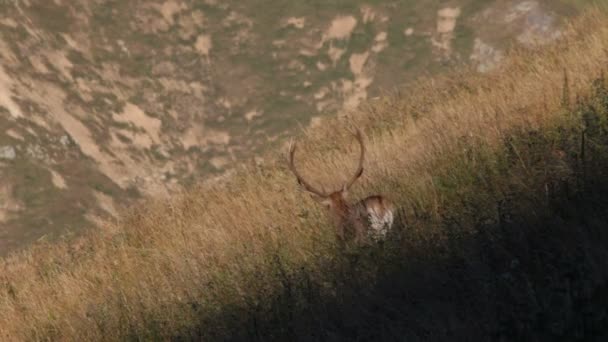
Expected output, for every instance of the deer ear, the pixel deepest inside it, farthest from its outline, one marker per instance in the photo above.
(344, 191)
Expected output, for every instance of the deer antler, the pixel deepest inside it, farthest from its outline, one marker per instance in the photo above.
(359, 172)
(301, 181)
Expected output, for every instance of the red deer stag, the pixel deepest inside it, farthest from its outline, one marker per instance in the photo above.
(368, 219)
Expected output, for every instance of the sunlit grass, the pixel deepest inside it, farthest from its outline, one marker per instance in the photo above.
(170, 268)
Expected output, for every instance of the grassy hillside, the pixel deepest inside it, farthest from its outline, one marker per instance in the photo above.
(501, 181)
(103, 102)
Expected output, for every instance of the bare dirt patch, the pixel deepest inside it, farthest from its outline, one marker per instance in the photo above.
(252, 114)
(368, 14)
(106, 203)
(169, 9)
(60, 62)
(193, 137)
(8, 22)
(14, 134)
(203, 44)
(335, 54)
(217, 137)
(189, 24)
(171, 84)
(5, 52)
(58, 180)
(132, 114)
(297, 22)
(6, 95)
(341, 28)
(357, 61)
(38, 64)
(8, 204)
(380, 43)
(446, 19)
(119, 166)
(356, 92)
(219, 162)
(446, 23)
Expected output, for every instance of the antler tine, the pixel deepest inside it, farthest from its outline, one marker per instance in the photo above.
(357, 133)
(301, 181)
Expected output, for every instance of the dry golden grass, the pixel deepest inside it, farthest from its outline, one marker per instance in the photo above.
(166, 265)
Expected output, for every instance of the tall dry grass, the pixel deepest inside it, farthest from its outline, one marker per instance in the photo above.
(167, 266)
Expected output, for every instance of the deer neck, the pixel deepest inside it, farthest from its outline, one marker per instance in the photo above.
(341, 211)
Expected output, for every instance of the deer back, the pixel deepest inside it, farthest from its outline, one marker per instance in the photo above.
(376, 213)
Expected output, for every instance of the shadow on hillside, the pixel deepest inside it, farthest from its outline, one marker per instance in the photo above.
(531, 267)
(540, 279)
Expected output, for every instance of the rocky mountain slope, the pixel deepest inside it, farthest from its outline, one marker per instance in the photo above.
(105, 101)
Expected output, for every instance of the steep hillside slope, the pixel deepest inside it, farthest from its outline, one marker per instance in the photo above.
(104, 101)
(501, 184)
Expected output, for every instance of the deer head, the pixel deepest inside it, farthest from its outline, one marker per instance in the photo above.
(371, 217)
(334, 200)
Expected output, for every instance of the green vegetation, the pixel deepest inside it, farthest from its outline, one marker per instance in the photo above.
(39, 197)
(581, 4)
(463, 41)
(52, 17)
(362, 38)
(501, 184)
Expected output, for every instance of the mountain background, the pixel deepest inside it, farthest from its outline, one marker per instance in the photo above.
(105, 102)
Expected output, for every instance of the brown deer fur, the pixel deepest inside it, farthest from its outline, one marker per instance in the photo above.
(368, 219)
